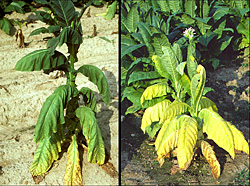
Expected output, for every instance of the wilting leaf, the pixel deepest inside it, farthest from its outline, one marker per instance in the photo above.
(153, 114)
(97, 77)
(73, 175)
(52, 112)
(186, 142)
(156, 90)
(88, 98)
(45, 155)
(217, 129)
(239, 140)
(209, 154)
(92, 133)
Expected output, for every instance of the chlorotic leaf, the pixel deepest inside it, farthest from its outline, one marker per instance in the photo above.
(52, 112)
(45, 155)
(160, 67)
(153, 114)
(41, 59)
(209, 154)
(185, 83)
(73, 175)
(92, 133)
(169, 144)
(156, 90)
(217, 129)
(239, 140)
(97, 77)
(186, 142)
(207, 103)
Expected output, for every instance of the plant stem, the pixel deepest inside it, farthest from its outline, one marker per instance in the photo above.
(72, 77)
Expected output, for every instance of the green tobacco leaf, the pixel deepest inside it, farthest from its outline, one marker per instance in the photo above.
(177, 51)
(191, 62)
(38, 31)
(202, 24)
(156, 90)
(225, 42)
(163, 6)
(206, 38)
(52, 113)
(207, 103)
(45, 17)
(68, 35)
(65, 11)
(14, 6)
(186, 19)
(206, 90)
(185, 83)
(217, 129)
(5, 25)
(133, 95)
(180, 68)
(190, 8)
(129, 49)
(89, 98)
(54, 28)
(160, 65)
(159, 40)
(73, 174)
(132, 19)
(132, 109)
(152, 102)
(174, 6)
(111, 11)
(45, 155)
(153, 129)
(41, 59)
(137, 76)
(96, 76)
(92, 133)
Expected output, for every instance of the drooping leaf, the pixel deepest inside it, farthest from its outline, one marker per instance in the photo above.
(92, 133)
(209, 154)
(52, 113)
(96, 76)
(186, 142)
(239, 140)
(207, 103)
(129, 49)
(88, 98)
(41, 59)
(45, 17)
(169, 144)
(65, 11)
(217, 129)
(68, 35)
(45, 155)
(156, 90)
(73, 174)
(38, 31)
(154, 113)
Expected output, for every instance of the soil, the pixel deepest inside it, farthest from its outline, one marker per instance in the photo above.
(138, 158)
(23, 93)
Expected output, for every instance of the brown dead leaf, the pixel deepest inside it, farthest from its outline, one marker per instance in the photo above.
(110, 169)
(175, 169)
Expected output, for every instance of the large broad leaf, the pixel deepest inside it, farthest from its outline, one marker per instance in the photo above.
(186, 142)
(129, 49)
(88, 98)
(65, 11)
(154, 113)
(133, 95)
(156, 90)
(190, 8)
(14, 6)
(168, 127)
(158, 41)
(41, 59)
(68, 35)
(52, 112)
(206, 38)
(138, 76)
(160, 66)
(45, 155)
(174, 6)
(92, 133)
(217, 129)
(197, 86)
(169, 144)
(97, 77)
(185, 83)
(209, 154)
(73, 174)
(5, 25)
(239, 140)
(163, 6)
(132, 19)
(111, 11)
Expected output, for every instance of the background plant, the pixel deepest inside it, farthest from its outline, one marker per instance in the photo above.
(62, 117)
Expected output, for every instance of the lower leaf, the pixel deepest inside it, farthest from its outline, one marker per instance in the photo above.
(73, 174)
(209, 154)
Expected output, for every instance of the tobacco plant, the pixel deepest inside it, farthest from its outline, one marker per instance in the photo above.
(61, 118)
(186, 120)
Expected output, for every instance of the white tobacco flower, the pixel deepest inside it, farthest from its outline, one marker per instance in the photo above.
(189, 33)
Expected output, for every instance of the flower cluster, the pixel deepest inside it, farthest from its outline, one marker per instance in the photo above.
(189, 33)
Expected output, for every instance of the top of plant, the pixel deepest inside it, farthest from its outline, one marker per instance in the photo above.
(189, 33)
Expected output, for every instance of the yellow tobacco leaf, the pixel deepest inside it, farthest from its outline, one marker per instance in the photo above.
(73, 174)
(207, 103)
(239, 140)
(154, 113)
(186, 142)
(217, 129)
(156, 90)
(168, 145)
(209, 154)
